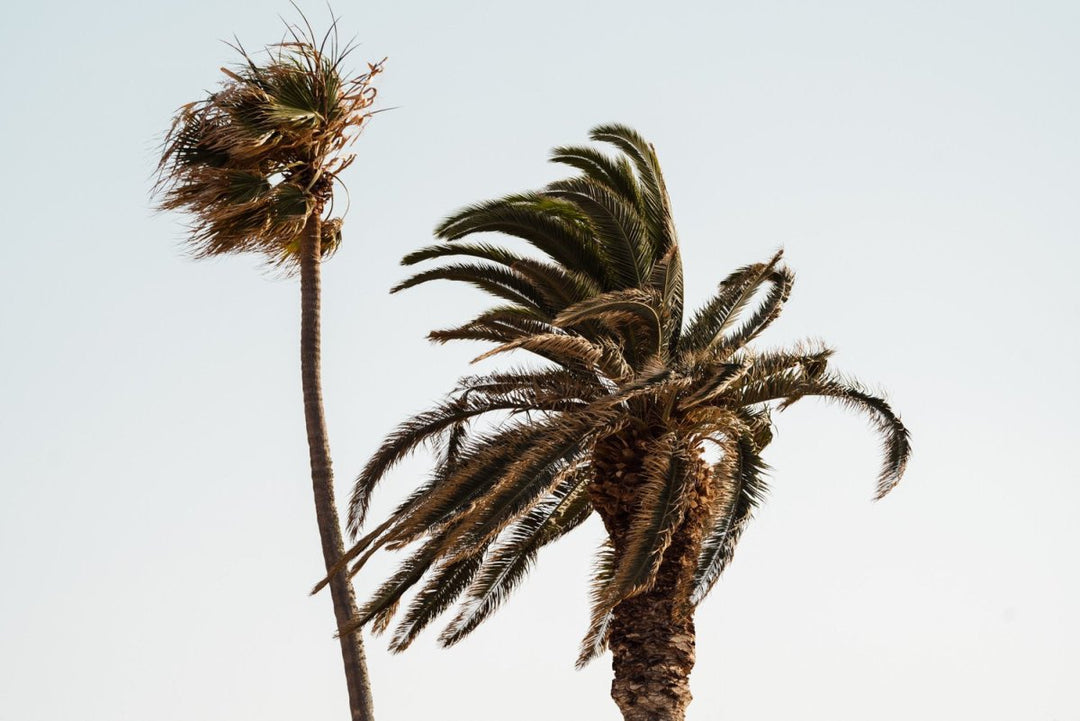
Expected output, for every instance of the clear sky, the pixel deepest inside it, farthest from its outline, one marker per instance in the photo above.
(920, 163)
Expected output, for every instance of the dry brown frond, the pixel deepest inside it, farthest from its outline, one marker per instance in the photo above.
(252, 162)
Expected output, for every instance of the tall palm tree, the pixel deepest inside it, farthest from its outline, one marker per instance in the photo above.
(255, 165)
(616, 421)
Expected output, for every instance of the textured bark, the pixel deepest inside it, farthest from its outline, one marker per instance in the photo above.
(652, 634)
(322, 476)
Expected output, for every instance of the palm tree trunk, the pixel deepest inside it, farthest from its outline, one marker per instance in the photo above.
(652, 634)
(652, 639)
(322, 475)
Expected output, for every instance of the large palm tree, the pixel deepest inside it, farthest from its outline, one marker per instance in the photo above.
(255, 165)
(618, 421)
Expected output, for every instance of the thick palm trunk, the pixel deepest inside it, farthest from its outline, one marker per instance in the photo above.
(322, 476)
(652, 634)
(652, 640)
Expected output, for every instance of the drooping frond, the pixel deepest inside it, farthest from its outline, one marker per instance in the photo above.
(789, 386)
(388, 595)
(496, 280)
(661, 504)
(447, 583)
(740, 477)
(569, 351)
(515, 553)
(553, 455)
(411, 434)
(501, 324)
(596, 638)
(484, 251)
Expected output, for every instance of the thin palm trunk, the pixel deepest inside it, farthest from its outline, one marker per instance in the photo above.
(322, 475)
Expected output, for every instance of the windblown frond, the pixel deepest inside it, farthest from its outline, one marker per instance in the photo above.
(510, 560)
(735, 294)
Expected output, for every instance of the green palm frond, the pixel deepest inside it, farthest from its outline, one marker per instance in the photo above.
(620, 233)
(654, 192)
(493, 279)
(662, 501)
(485, 251)
(617, 174)
(741, 478)
(511, 559)
(557, 228)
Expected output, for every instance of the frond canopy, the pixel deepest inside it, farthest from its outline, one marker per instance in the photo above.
(627, 397)
(254, 160)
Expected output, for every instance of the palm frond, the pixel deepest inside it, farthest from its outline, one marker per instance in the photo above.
(552, 456)
(570, 351)
(661, 504)
(615, 173)
(615, 307)
(620, 233)
(514, 555)
(781, 279)
(496, 280)
(408, 436)
(445, 586)
(557, 228)
(740, 476)
(601, 615)
(735, 293)
(666, 281)
(651, 179)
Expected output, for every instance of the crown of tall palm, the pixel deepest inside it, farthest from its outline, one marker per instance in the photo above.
(252, 161)
(629, 387)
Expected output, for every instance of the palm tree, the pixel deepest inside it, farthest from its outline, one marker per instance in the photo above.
(255, 164)
(616, 422)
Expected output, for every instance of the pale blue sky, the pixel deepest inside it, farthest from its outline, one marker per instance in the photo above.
(919, 163)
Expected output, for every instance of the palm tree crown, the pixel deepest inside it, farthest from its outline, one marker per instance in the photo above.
(254, 160)
(615, 422)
